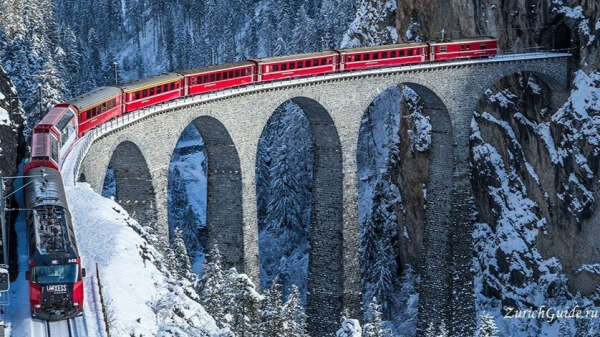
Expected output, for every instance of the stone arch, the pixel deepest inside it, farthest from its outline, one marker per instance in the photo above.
(325, 267)
(224, 217)
(133, 182)
(430, 233)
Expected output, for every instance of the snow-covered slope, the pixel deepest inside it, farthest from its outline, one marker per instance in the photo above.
(143, 298)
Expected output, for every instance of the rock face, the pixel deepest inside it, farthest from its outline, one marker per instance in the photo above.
(519, 25)
(11, 125)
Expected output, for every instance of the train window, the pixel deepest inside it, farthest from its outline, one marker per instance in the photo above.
(366, 57)
(172, 86)
(482, 46)
(219, 76)
(443, 49)
(300, 64)
(384, 55)
(292, 65)
(225, 75)
(237, 73)
(192, 81)
(276, 67)
(103, 107)
(307, 63)
(375, 56)
(144, 93)
(323, 61)
(468, 47)
(199, 79)
(212, 77)
(462, 47)
(88, 114)
(151, 93)
(231, 74)
(159, 89)
(137, 95)
(53, 148)
(205, 78)
(410, 52)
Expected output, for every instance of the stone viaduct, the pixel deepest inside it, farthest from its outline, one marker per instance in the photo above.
(232, 122)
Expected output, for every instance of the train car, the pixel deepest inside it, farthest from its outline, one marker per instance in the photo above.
(96, 107)
(153, 90)
(201, 80)
(383, 56)
(55, 274)
(53, 137)
(463, 49)
(283, 67)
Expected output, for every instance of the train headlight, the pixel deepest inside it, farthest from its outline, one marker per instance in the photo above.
(37, 306)
(75, 304)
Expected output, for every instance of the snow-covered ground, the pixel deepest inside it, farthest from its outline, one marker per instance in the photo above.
(136, 290)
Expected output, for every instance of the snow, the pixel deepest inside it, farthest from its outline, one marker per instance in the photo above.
(576, 13)
(1, 96)
(591, 268)
(597, 25)
(4, 117)
(366, 28)
(108, 237)
(350, 328)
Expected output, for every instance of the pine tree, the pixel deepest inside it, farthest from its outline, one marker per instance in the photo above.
(294, 318)
(181, 254)
(375, 327)
(211, 288)
(430, 332)
(243, 304)
(443, 331)
(487, 326)
(271, 313)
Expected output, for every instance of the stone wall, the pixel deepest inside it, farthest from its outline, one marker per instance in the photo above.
(334, 107)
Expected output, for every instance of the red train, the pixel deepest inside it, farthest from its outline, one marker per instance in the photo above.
(54, 136)
(105, 103)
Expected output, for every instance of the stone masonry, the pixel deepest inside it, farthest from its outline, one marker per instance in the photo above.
(231, 128)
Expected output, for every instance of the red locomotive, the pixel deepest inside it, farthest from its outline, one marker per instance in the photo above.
(54, 136)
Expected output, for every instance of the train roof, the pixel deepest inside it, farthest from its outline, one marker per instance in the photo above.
(150, 81)
(53, 115)
(45, 196)
(215, 68)
(384, 47)
(94, 97)
(45, 187)
(296, 57)
(467, 39)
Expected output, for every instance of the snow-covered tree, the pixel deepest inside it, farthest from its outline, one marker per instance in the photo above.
(181, 254)
(350, 328)
(375, 327)
(211, 288)
(243, 304)
(272, 313)
(487, 326)
(294, 318)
